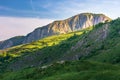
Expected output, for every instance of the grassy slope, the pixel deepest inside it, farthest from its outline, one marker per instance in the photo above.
(110, 51)
(94, 46)
(42, 50)
(75, 70)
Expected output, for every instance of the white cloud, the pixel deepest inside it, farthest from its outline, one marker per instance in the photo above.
(70, 8)
(14, 26)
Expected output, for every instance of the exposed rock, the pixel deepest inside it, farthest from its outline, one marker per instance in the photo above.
(74, 23)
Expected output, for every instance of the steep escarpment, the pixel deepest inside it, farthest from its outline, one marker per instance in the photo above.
(71, 24)
(74, 23)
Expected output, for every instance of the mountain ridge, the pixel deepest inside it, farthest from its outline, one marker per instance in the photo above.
(99, 43)
(103, 39)
(71, 24)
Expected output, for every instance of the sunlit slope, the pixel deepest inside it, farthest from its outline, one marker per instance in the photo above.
(40, 52)
(45, 42)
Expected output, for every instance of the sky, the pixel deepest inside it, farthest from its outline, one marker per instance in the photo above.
(19, 17)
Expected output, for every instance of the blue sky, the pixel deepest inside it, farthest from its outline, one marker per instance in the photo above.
(26, 15)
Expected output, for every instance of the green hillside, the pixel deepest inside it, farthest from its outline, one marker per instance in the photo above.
(75, 70)
(101, 44)
(97, 47)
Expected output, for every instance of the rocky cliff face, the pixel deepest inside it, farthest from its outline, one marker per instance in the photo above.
(74, 23)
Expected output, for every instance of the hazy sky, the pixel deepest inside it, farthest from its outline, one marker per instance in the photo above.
(19, 17)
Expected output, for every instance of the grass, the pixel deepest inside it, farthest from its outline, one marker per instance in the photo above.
(75, 70)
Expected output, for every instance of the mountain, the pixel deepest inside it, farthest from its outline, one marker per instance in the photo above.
(11, 42)
(97, 43)
(74, 23)
(91, 53)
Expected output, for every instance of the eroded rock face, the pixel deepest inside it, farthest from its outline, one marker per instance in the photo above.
(74, 23)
